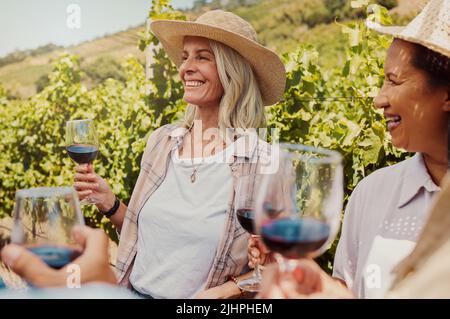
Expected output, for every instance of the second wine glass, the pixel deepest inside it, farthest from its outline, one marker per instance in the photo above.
(245, 203)
(82, 143)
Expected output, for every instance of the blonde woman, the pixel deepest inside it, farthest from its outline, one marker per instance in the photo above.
(179, 237)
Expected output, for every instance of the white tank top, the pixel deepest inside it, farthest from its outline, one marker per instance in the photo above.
(180, 226)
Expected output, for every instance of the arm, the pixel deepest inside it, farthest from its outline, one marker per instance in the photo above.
(257, 253)
(228, 290)
(90, 185)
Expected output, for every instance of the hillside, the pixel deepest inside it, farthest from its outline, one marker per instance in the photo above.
(20, 77)
(281, 25)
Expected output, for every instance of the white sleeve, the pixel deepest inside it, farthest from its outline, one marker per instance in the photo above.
(346, 258)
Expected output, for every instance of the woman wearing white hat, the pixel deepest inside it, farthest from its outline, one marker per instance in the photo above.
(179, 236)
(387, 209)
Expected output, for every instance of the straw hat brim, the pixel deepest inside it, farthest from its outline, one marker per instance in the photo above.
(267, 66)
(404, 33)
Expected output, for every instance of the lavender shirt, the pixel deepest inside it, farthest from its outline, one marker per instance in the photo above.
(382, 221)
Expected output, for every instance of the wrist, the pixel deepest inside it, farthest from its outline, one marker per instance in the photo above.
(109, 213)
(235, 290)
(107, 204)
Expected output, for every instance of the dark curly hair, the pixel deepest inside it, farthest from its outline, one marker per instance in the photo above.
(436, 65)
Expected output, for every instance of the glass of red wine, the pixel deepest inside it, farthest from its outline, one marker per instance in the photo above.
(299, 206)
(245, 202)
(82, 143)
(44, 220)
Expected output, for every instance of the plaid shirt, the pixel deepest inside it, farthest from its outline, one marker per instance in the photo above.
(231, 254)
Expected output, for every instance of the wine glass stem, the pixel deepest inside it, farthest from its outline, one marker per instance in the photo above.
(257, 272)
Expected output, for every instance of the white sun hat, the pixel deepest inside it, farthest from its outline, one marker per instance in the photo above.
(431, 27)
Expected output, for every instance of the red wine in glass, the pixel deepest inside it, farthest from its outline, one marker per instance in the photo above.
(82, 144)
(246, 193)
(295, 238)
(82, 154)
(81, 141)
(246, 217)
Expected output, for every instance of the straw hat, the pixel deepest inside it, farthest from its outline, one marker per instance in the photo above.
(431, 28)
(229, 29)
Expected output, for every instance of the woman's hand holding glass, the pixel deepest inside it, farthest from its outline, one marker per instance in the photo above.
(91, 186)
(245, 201)
(258, 254)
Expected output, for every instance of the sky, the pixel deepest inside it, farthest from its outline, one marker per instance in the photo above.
(28, 24)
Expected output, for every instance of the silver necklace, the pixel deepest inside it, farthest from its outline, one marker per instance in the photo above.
(195, 167)
(194, 172)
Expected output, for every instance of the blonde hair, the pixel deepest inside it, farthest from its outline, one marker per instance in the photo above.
(241, 105)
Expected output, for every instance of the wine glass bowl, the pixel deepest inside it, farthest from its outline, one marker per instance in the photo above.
(82, 144)
(44, 220)
(81, 141)
(299, 206)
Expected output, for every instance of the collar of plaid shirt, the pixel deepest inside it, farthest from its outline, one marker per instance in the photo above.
(231, 255)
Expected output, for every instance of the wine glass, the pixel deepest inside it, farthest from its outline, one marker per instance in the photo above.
(44, 220)
(82, 143)
(245, 203)
(298, 208)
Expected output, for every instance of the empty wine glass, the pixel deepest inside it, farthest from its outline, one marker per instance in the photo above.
(298, 208)
(44, 220)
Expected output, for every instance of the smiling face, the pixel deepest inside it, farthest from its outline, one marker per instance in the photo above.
(415, 111)
(198, 72)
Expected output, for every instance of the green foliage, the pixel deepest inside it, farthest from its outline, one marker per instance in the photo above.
(165, 85)
(282, 24)
(104, 68)
(331, 108)
(160, 9)
(41, 83)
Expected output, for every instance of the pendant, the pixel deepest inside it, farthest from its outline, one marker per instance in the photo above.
(193, 176)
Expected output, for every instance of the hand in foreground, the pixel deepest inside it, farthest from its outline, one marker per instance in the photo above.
(93, 262)
(307, 280)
